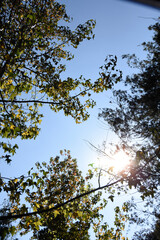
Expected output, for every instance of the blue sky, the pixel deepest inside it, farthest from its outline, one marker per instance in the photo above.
(121, 27)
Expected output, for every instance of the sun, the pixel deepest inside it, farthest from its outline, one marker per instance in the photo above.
(117, 162)
(120, 161)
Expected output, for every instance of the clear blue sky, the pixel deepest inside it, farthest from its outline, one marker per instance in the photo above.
(121, 27)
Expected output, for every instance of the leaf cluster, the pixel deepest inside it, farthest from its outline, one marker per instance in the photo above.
(35, 36)
(46, 192)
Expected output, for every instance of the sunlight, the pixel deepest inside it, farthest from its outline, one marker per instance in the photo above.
(118, 162)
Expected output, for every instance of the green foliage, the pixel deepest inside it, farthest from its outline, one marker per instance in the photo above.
(49, 210)
(105, 232)
(59, 204)
(33, 47)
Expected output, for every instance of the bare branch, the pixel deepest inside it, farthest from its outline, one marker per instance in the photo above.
(99, 150)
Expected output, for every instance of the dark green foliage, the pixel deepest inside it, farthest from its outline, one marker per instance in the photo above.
(152, 234)
(6, 228)
(136, 119)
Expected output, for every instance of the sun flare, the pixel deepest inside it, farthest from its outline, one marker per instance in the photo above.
(118, 162)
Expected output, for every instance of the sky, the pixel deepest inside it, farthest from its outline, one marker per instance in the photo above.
(121, 27)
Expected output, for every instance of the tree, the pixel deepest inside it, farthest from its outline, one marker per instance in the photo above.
(33, 47)
(59, 203)
(137, 115)
(136, 119)
(150, 234)
(35, 36)
(6, 227)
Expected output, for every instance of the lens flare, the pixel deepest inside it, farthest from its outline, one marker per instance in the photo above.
(118, 162)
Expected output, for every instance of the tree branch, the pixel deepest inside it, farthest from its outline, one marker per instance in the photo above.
(12, 179)
(29, 101)
(99, 178)
(16, 216)
(3, 103)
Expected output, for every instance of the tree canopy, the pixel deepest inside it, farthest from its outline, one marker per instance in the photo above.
(136, 119)
(35, 36)
(55, 201)
(59, 203)
(34, 42)
(149, 234)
